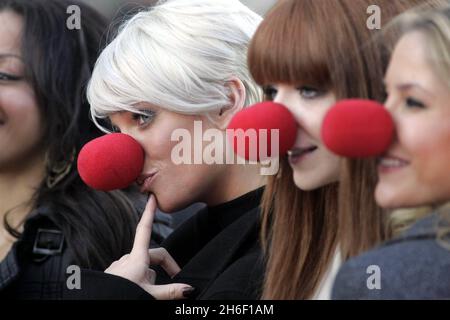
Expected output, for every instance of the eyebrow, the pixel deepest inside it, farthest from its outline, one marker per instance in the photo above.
(10, 55)
(409, 85)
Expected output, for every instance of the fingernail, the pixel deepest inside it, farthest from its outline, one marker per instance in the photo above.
(188, 292)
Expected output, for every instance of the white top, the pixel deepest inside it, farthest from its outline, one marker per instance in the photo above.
(324, 290)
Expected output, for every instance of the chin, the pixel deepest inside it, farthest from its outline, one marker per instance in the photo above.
(391, 200)
(305, 184)
(170, 204)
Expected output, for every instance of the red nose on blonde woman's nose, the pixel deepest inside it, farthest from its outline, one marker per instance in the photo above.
(113, 161)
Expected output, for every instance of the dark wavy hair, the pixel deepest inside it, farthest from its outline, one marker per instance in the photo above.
(98, 226)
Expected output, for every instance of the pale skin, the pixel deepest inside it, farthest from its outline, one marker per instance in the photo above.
(212, 184)
(415, 169)
(309, 106)
(209, 183)
(135, 265)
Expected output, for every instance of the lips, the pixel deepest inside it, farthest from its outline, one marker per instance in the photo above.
(145, 180)
(299, 151)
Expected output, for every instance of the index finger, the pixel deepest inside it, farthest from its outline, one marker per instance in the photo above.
(144, 229)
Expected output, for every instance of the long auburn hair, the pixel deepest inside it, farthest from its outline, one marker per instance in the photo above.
(326, 44)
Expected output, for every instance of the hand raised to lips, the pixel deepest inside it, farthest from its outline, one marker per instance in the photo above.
(135, 265)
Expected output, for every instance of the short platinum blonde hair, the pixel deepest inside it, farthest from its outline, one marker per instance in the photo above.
(178, 55)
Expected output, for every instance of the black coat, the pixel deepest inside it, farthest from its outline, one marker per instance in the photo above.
(217, 249)
(37, 266)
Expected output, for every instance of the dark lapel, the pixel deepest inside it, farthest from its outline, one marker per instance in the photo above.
(9, 268)
(220, 252)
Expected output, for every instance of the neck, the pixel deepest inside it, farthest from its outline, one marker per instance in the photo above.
(17, 187)
(237, 181)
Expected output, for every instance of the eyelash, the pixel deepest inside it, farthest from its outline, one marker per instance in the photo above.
(413, 103)
(270, 92)
(317, 92)
(8, 77)
(150, 115)
(115, 129)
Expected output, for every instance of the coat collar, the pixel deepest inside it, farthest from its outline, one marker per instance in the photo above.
(10, 266)
(424, 228)
(220, 252)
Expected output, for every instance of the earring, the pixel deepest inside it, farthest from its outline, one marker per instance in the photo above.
(59, 171)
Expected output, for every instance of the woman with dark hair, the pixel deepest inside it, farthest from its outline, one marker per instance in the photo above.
(50, 218)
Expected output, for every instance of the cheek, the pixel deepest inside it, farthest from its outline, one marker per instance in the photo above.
(428, 147)
(22, 133)
(433, 163)
(157, 143)
(310, 117)
(22, 112)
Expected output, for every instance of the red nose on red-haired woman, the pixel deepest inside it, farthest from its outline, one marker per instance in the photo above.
(357, 128)
(262, 131)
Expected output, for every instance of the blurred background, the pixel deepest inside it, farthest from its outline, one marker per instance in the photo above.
(112, 8)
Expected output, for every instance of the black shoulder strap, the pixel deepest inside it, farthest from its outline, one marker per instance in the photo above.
(49, 258)
(47, 242)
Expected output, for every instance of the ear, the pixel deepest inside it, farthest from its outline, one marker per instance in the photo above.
(237, 98)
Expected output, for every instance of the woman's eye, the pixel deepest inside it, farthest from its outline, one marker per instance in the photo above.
(309, 92)
(8, 77)
(270, 93)
(414, 103)
(143, 118)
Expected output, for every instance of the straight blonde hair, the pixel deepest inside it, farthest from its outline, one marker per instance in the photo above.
(434, 22)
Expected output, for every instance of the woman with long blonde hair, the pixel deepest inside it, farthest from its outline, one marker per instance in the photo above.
(414, 172)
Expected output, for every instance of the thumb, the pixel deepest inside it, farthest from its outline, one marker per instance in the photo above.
(173, 291)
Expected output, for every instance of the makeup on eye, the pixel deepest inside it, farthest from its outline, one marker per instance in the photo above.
(144, 117)
(414, 103)
(12, 67)
(270, 92)
(115, 129)
(306, 92)
(9, 77)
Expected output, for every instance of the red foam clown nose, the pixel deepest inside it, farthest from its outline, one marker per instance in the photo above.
(113, 161)
(357, 128)
(265, 116)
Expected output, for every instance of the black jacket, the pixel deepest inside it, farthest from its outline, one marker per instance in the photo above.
(37, 265)
(217, 249)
